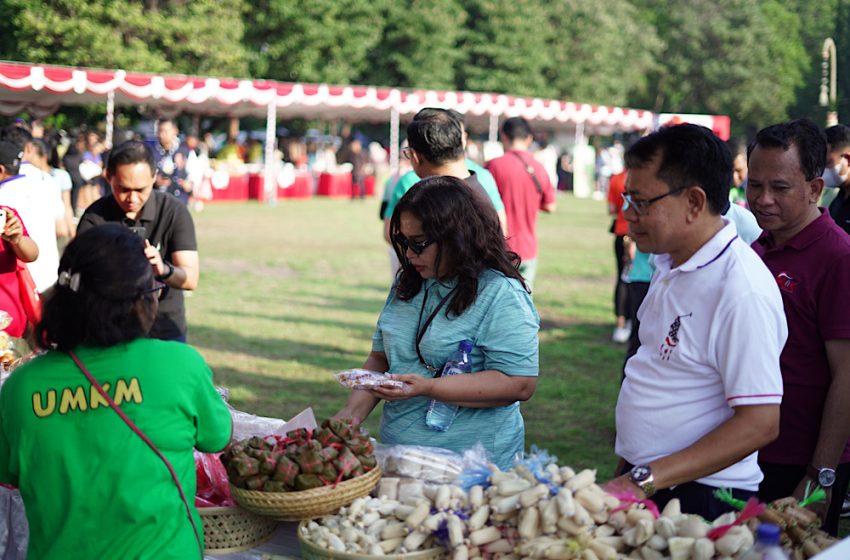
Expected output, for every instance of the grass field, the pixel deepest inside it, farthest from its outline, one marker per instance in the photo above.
(290, 294)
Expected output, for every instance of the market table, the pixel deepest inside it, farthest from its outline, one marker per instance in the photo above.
(256, 183)
(370, 185)
(283, 544)
(339, 185)
(302, 187)
(334, 185)
(235, 189)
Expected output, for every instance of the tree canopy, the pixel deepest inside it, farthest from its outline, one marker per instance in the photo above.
(758, 61)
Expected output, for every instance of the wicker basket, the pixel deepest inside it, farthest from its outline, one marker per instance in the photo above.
(232, 529)
(311, 551)
(306, 504)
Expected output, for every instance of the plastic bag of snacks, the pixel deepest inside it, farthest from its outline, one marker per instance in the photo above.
(429, 464)
(213, 489)
(365, 379)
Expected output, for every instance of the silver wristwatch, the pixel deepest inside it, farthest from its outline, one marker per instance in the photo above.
(641, 475)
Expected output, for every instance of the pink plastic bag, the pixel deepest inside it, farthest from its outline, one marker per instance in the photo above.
(213, 487)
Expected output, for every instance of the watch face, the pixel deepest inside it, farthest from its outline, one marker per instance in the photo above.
(640, 473)
(826, 477)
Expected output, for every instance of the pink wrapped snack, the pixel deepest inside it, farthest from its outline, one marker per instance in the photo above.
(366, 379)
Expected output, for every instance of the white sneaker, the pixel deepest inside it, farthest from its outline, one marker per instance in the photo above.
(621, 335)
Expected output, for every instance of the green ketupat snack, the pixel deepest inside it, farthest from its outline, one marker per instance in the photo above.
(256, 482)
(286, 471)
(246, 466)
(275, 486)
(307, 481)
(346, 462)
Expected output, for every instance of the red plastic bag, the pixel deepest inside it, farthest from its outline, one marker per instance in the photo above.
(213, 488)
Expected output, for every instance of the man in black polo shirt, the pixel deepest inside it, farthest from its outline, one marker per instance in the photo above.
(161, 219)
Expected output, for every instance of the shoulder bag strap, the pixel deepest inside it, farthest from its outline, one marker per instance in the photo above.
(530, 170)
(142, 435)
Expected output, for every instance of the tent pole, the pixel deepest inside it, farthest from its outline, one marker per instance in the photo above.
(110, 117)
(269, 183)
(493, 135)
(393, 142)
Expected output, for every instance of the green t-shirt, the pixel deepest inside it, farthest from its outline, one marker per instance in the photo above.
(485, 178)
(502, 324)
(91, 487)
(404, 183)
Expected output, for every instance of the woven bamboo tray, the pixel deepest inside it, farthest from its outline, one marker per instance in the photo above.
(232, 529)
(306, 504)
(311, 551)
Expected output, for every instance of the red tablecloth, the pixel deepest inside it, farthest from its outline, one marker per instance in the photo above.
(339, 185)
(334, 184)
(236, 189)
(301, 188)
(255, 186)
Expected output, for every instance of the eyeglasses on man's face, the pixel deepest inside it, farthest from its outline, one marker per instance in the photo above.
(406, 244)
(406, 153)
(641, 206)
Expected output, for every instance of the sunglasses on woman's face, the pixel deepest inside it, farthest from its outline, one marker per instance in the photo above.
(160, 289)
(417, 248)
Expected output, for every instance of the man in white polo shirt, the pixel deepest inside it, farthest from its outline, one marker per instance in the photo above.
(702, 393)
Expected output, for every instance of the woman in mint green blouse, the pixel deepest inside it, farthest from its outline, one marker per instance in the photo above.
(458, 281)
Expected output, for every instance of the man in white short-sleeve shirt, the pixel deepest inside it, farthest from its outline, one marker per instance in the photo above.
(702, 393)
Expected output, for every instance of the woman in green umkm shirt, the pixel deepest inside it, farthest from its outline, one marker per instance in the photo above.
(92, 488)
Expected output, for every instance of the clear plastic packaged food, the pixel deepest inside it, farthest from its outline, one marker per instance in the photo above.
(427, 464)
(366, 379)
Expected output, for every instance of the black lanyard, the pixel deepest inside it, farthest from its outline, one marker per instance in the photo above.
(424, 328)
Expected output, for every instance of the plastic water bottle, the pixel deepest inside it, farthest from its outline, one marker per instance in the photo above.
(767, 544)
(441, 415)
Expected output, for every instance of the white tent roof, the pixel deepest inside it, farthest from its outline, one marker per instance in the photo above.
(42, 89)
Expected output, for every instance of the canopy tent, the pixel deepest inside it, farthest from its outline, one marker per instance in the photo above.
(41, 89)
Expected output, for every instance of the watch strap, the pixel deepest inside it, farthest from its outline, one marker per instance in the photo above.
(645, 483)
(168, 273)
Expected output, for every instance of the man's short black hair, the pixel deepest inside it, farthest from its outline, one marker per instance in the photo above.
(166, 120)
(437, 135)
(689, 155)
(808, 137)
(128, 153)
(17, 135)
(459, 116)
(838, 137)
(516, 128)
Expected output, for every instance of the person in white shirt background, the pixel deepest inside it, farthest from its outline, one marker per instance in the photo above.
(36, 199)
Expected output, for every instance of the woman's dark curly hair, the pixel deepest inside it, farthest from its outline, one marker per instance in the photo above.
(466, 231)
(103, 296)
